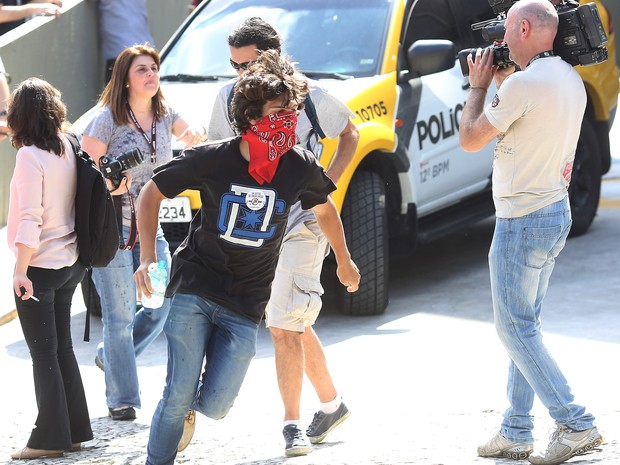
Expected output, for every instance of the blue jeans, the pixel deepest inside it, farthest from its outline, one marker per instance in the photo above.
(521, 260)
(126, 333)
(197, 328)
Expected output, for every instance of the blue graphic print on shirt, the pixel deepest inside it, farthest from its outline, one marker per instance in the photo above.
(246, 214)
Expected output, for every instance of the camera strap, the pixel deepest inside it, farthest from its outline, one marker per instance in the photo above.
(545, 54)
(133, 226)
(152, 142)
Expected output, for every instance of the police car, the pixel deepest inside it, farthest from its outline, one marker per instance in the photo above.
(393, 62)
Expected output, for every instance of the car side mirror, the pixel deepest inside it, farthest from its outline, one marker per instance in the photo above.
(429, 56)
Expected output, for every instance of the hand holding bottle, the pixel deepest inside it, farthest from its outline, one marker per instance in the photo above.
(159, 277)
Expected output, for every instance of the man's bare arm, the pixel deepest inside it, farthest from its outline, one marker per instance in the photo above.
(329, 221)
(475, 130)
(347, 144)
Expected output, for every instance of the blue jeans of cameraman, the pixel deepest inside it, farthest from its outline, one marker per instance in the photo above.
(126, 333)
(198, 329)
(521, 259)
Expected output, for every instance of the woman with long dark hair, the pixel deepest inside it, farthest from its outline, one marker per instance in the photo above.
(41, 233)
(133, 114)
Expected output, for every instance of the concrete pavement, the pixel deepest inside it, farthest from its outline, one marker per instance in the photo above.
(425, 381)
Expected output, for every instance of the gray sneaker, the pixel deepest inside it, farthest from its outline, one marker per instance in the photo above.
(99, 362)
(565, 443)
(296, 441)
(100, 357)
(499, 446)
(323, 423)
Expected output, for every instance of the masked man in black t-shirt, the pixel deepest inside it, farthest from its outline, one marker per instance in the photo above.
(222, 273)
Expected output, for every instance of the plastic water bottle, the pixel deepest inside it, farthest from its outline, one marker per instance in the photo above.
(159, 276)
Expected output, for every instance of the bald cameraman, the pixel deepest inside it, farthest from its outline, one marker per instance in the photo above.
(536, 116)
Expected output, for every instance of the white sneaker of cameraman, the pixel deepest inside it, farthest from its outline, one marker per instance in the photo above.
(500, 446)
(565, 443)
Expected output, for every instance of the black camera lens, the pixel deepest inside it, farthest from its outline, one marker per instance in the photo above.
(130, 159)
(494, 32)
(501, 57)
(113, 168)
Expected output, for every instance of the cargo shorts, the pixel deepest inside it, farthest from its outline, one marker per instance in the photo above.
(296, 291)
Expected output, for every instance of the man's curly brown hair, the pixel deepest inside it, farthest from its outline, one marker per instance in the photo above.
(268, 78)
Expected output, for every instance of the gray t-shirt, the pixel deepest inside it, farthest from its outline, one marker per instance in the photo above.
(119, 139)
(333, 116)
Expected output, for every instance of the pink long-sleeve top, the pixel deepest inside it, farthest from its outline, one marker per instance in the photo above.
(42, 206)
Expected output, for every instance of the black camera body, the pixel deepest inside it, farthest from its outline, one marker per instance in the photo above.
(113, 168)
(581, 37)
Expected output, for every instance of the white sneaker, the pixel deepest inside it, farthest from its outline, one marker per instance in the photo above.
(499, 446)
(565, 443)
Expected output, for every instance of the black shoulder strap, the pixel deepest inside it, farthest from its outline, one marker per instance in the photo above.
(91, 291)
(133, 225)
(229, 103)
(312, 116)
(77, 149)
(75, 143)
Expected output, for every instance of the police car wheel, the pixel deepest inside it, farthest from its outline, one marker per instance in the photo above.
(365, 225)
(585, 186)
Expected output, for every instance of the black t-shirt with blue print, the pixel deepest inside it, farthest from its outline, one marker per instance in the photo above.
(231, 251)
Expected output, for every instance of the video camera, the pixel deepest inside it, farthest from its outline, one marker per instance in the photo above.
(113, 168)
(580, 40)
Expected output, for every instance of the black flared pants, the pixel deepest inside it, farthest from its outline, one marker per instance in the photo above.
(63, 417)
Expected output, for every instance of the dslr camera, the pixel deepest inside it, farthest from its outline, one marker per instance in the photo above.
(580, 40)
(113, 168)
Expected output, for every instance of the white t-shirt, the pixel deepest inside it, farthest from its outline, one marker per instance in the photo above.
(538, 112)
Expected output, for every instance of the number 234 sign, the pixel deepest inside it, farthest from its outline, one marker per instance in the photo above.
(177, 210)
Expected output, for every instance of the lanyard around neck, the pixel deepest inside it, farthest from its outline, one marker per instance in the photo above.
(545, 54)
(152, 142)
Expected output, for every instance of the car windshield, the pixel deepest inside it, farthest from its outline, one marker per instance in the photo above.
(327, 38)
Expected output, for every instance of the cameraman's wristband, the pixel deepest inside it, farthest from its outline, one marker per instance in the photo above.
(476, 87)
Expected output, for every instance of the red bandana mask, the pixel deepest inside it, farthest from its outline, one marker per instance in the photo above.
(269, 138)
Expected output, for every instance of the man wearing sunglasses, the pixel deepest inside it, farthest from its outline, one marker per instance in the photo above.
(295, 299)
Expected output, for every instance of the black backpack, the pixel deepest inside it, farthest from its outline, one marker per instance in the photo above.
(95, 215)
(95, 224)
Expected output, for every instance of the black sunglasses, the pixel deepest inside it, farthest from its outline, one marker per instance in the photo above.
(237, 66)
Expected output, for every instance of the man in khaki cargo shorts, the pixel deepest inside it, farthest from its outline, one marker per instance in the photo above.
(295, 299)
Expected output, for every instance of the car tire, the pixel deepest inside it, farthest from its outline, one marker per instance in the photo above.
(365, 225)
(585, 186)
